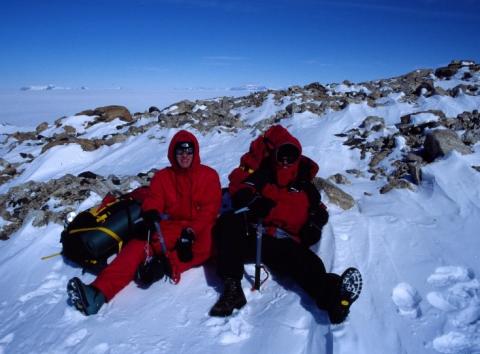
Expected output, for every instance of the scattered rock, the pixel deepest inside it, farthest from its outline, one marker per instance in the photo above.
(69, 130)
(378, 157)
(396, 184)
(292, 108)
(338, 178)
(415, 171)
(32, 198)
(425, 89)
(335, 194)
(88, 174)
(373, 123)
(355, 172)
(41, 127)
(445, 72)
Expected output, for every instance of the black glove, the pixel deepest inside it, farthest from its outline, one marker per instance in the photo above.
(311, 232)
(184, 245)
(310, 190)
(150, 271)
(150, 217)
(260, 207)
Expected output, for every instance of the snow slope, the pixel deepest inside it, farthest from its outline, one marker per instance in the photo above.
(417, 250)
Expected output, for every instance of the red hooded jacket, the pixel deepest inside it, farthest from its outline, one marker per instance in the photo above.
(291, 210)
(187, 198)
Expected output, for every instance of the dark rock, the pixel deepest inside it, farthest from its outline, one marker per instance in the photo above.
(471, 137)
(69, 130)
(355, 172)
(88, 174)
(41, 127)
(441, 142)
(315, 86)
(292, 108)
(445, 72)
(374, 123)
(109, 113)
(413, 157)
(406, 119)
(396, 184)
(377, 158)
(115, 180)
(425, 89)
(153, 109)
(26, 155)
(338, 178)
(415, 172)
(22, 136)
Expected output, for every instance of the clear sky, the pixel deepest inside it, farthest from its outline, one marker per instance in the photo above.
(224, 43)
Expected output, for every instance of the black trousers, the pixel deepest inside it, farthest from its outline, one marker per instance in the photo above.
(236, 244)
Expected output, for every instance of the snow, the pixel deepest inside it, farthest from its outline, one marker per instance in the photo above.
(417, 251)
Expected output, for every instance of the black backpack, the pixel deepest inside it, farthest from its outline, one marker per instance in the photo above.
(96, 234)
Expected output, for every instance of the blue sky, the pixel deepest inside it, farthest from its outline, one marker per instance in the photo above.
(215, 43)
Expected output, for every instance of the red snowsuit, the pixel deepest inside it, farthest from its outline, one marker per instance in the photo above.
(187, 198)
(291, 210)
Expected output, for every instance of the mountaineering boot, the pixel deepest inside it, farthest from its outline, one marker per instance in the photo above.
(85, 298)
(231, 298)
(349, 290)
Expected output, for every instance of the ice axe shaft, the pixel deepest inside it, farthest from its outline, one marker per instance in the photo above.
(160, 237)
(258, 256)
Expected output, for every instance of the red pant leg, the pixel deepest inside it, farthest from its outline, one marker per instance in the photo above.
(121, 271)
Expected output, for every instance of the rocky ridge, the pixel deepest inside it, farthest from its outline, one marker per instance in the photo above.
(423, 139)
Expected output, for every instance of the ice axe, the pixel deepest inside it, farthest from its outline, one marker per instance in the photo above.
(258, 256)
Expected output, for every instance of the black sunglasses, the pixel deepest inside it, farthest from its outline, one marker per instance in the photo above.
(184, 150)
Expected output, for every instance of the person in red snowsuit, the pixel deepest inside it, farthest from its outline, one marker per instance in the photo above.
(272, 188)
(184, 200)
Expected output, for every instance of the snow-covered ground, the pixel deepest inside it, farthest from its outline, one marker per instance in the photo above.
(417, 250)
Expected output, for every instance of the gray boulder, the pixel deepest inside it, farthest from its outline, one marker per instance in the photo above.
(109, 113)
(335, 194)
(440, 142)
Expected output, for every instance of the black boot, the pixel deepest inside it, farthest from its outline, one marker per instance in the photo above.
(231, 298)
(349, 290)
(85, 298)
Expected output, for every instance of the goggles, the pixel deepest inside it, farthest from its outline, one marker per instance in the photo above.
(287, 154)
(185, 147)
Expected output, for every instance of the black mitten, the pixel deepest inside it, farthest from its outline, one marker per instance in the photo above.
(151, 217)
(184, 245)
(150, 271)
(261, 206)
(311, 232)
(310, 190)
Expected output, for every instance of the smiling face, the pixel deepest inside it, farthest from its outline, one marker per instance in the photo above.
(184, 159)
(184, 154)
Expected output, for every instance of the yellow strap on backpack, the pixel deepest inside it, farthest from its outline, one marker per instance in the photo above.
(104, 230)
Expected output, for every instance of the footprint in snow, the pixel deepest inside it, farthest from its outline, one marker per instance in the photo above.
(445, 276)
(53, 286)
(75, 338)
(458, 296)
(229, 330)
(101, 348)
